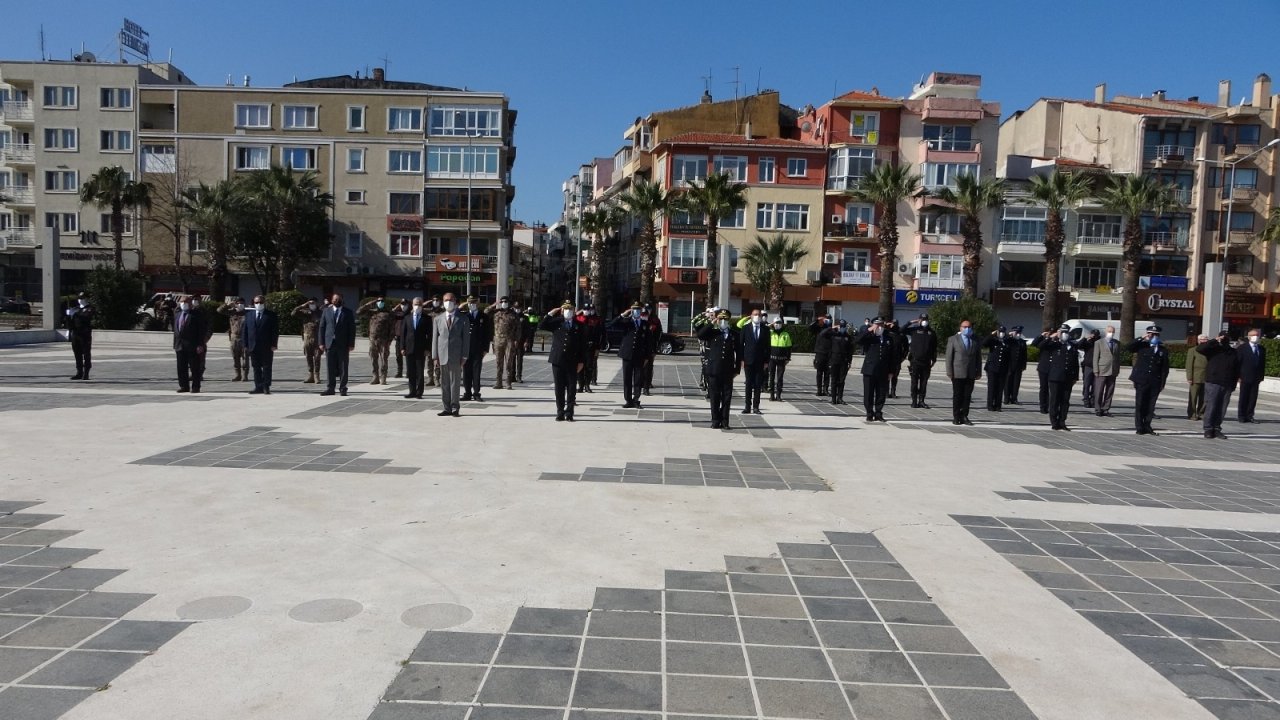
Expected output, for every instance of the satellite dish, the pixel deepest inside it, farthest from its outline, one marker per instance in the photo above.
(806, 126)
(86, 57)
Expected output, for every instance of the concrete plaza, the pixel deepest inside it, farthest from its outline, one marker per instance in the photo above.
(297, 557)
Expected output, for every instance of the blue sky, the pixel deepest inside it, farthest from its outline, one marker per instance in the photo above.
(580, 72)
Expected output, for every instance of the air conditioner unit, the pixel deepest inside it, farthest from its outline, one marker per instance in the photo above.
(837, 220)
(830, 258)
(904, 268)
(351, 270)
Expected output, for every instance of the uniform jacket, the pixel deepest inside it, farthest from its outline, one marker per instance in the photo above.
(637, 339)
(722, 350)
(840, 347)
(506, 323)
(593, 330)
(568, 344)
(449, 345)
(822, 343)
(923, 347)
(1253, 367)
(337, 328)
(755, 342)
(1222, 365)
(381, 325)
(1197, 365)
(189, 330)
(416, 340)
(998, 356)
(1062, 359)
(80, 322)
(261, 330)
(480, 329)
(1106, 357)
(235, 320)
(900, 346)
(963, 364)
(880, 352)
(1085, 346)
(1017, 352)
(779, 345)
(1150, 362)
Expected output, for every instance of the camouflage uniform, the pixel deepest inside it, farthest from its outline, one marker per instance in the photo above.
(310, 341)
(380, 325)
(507, 326)
(433, 366)
(235, 333)
(398, 315)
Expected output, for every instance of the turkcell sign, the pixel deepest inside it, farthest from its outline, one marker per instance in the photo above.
(134, 37)
(924, 297)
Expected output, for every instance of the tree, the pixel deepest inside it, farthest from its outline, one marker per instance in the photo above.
(767, 261)
(115, 294)
(647, 202)
(598, 224)
(1057, 192)
(1133, 196)
(169, 214)
(971, 198)
(886, 186)
(215, 211)
(716, 197)
(288, 220)
(111, 187)
(1271, 233)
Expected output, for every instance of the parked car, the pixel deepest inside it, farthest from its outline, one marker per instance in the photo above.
(15, 306)
(668, 344)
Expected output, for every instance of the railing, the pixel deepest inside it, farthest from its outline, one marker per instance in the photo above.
(1100, 240)
(458, 261)
(1167, 152)
(1240, 194)
(843, 183)
(952, 145)
(860, 230)
(1181, 195)
(942, 238)
(17, 153)
(16, 110)
(1022, 238)
(18, 194)
(932, 283)
(19, 237)
(1166, 239)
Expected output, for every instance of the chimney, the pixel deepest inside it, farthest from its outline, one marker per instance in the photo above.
(379, 75)
(706, 98)
(1262, 91)
(246, 81)
(747, 134)
(1157, 95)
(1224, 93)
(1100, 93)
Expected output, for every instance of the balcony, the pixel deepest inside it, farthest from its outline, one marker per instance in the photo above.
(18, 155)
(1098, 246)
(945, 108)
(17, 112)
(944, 243)
(847, 231)
(1021, 245)
(1163, 155)
(1240, 195)
(843, 184)
(968, 152)
(1182, 196)
(19, 194)
(456, 263)
(17, 238)
(1167, 240)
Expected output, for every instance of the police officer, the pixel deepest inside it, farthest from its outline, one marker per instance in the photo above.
(880, 357)
(1062, 359)
(480, 338)
(780, 344)
(567, 355)
(1150, 370)
(839, 357)
(1017, 364)
(899, 352)
(235, 311)
(1085, 346)
(723, 363)
(397, 331)
(80, 332)
(506, 335)
(635, 350)
(593, 334)
(922, 354)
(821, 353)
(310, 312)
(1042, 371)
(997, 367)
(380, 326)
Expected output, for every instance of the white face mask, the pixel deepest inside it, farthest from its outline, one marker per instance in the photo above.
(417, 309)
(82, 303)
(450, 305)
(184, 306)
(724, 324)
(777, 326)
(259, 307)
(1110, 335)
(471, 306)
(311, 306)
(1253, 339)
(924, 323)
(756, 319)
(239, 306)
(502, 306)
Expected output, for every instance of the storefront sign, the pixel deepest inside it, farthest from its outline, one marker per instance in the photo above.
(1162, 282)
(1169, 302)
(924, 296)
(460, 278)
(404, 223)
(855, 277)
(1244, 304)
(1026, 298)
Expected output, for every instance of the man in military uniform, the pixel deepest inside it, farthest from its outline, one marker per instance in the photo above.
(1042, 371)
(839, 357)
(997, 367)
(922, 353)
(593, 335)
(821, 353)
(433, 308)
(480, 338)
(1017, 365)
(1150, 370)
(1062, 359)
(723, 363)
(397, 327)
(567, 356)
(899, 341)
(1085, 346)
(634, 350)
(80, 332)
(235, 312)
(880, 357)
(380, 325)
(310, 312)
(506, 336)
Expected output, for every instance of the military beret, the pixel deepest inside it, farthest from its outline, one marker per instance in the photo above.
(723, 315)
(1153, 329)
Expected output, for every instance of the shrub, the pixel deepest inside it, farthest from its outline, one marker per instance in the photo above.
(115, 295)
(945, 317)
(802, 338)
(283, 304)
(1273, 357)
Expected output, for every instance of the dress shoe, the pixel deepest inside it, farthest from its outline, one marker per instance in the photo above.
(343, 393)
(1219, 435)
(183, 390)
(77, 376)
(955, 422)
(638, 406)
(455, 413)
(255, 391)
(967, 421)
(498, 386)
(194, 390)
(411, 396)
(559, 417)
(715, 426)
(880, 418)
(266, 391)
(1209, 435)
(1254, 422)
(327, 392)
(466, 397)
(646, 392)
(569, 417)
(1064, 428)
(924, 405)
(478, 398)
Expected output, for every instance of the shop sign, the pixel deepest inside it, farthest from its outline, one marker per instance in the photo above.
(924, 297)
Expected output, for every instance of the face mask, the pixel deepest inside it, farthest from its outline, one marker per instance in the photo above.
(756, 319)
(311, 306)
(1253, 339)
(1155, 340)
(644, 316)
(1063, 338)
(184, 306)
(435, 303)
(878, 329)
(1000, 335)
(239, 306)
(1110, 335)
(450, 305)
(841, 331)
(777, 326)
(417, 309)
(381, 304)
(337, 303)
(568, 314)
(502, 306)
(724, 324)
(966, 331)
(82, 303)
(259, 306)
(924, 323)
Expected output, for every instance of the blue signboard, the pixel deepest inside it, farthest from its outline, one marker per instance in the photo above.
(1163, 282)
(923, 297)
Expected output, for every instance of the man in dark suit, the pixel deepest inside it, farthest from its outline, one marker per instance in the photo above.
(998, 359)
(1253, 368)
(753, 335)
(723, 363)
(80, 332)
(634, 350)
(1062, 357)
(261, 334)
(880, 359)
(337, 340)
(923, 353)
(1017, 364)
(964, 367)
(480, 334)
(189, 342)
(567, 357)
(1221, 374)
(415, 341)
(1150, 370)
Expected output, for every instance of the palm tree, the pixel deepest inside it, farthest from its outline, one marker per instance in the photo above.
(1057, 192)
(886, 186)
(767, 261)
(1133, 196)
(214, 211)
(111, 187)
(1271, 233)
(647, 201)
(598, 224)
(298, 216)
(716, 197)
(972, 198)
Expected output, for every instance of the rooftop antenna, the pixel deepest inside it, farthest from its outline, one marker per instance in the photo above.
(735, 82)
(43, 56)
(706, 82)
(386, 65)
(758, 72)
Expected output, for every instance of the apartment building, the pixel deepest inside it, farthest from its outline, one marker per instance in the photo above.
(60, 123)
(420, 174)
(1215, 156)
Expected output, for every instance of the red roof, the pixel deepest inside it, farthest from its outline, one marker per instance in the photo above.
(700, 138)
(860, 96)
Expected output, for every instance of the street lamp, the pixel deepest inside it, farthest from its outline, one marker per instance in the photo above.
(471, 157)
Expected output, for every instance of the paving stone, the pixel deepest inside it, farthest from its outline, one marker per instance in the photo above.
(822, 608)
(36, 602)
(710, 695)
(627, 599)
(17, 576)
(103, 605)
(549, 621)
(57, 557)
(709, 603)
(854, 636)
(957, 671)
(828, 587)
(16, 662)
(788, 662)
(39, 703)
(772, 606)
(881, 667)
(539, 651)
(618, 691)
(888, 702)
(973, 704)
(54, 632)
(695, 580)
(616, 654)
(777, 631)
(77, 579)
(136, 635)
(79, 668)
(789, 698)
(701, 628)
(766, 584)
(520, 686)
(449, 683)
(705, 659)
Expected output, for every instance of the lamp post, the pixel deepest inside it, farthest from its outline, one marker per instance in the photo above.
(470, 157)
(1213, 312)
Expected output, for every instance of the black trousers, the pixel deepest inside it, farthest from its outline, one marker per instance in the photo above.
(588, 374)
(961, 395)
(416, 365)
(1248, 401)
(1216, 398)
(82, 348)
(837, 372)
(1145, 409)
(721, 392)
(261, 359)
(822, 363)
(190, 369)
(471, 374)
(1044, 391)
(632, 380)
(566, 380)
(395, 350)
(875, 388)
(1086, 393)
(648, 375)
(1012, 383)
(1059, 403)
(995, 388)
(777, 371)
(338, 362)
(754, 375)
(919, 380)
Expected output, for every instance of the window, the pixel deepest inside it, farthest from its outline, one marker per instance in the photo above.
(733, 166)
(404, 161)
(355, 117)
(949, 137)
(1093, 274)
(298, 158)
(355, 160)
(859, 217)
(848, 166)
(405, 245)
(59, 96)
(1168, 141)
(735, 219)
(299, 117)
(1227, 134)
(404, 120)
(158, 159)
(1244, 177)
(855, 260)
(61, 181)
(940, 223)
(116, 98)
(1175, 265)
(940, 271)
(687, 252)
(399, 203)
(797, 167)
(196, 241)
(768, 170)
(253, 116)
(1103, 229)
(355, 244)
(688, 167)
(105, 224)
(459, 161)
(64, 222)
(1241, 220)
(255, 157)
(1240, 264)
(116, 140)
(865, 128)
(64, 139)
(451, 204)
(782, 216)
(476, 121)
(1021, 274)
(938, 175)
(355, 197)
(1023, 225)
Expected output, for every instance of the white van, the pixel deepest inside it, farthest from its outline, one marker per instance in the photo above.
(1172, 330)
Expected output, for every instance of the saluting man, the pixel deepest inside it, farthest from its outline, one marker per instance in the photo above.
(567, 356)
(723, 363)
(1150, 370)
(1062, 361)
(997, 367)
(80, 332)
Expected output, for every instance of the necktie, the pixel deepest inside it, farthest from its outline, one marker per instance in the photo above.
(966, 343)
(448, 321)
(415, 321)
